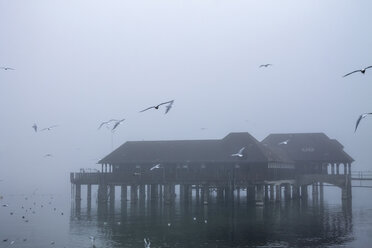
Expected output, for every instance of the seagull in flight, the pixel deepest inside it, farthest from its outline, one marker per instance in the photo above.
(34, 127)
(49, 128)
(362, 71)
(48, 155)
(360, 118)
(7, 68)
(285, 142)
(147, 243)
(117, 123)
(107, 123)
(169, 106)
(239, 154)
(265, 65)
(157, 106)
(155, 167)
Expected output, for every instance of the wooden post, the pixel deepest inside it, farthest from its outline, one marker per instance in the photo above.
(89, 196)
(278, 193)
(133, 194)
(304, 194)
(272, 189)
(251, 193)
(260, 195)
(124, 194)
(205, 194)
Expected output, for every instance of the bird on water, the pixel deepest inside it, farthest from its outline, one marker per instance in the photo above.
(157, 106)
(363, 71)
(362, 116)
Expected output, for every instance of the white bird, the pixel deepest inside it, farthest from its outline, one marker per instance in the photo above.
(92, 239)
(48, 128)
(7, 68)
(157, 106)
(34, 127)
(107, 123)
(265, 65)
(155, 167)
(284, 142)
(169, 224)
(169, 106)
(362, 71)
(205, 221)
(12, 242)
(239, 154)
(362, 116)
(117, 124)
(147, 243)
(194, 218)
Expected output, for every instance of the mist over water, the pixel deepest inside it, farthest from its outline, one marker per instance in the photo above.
(79, 63)
(328, 223)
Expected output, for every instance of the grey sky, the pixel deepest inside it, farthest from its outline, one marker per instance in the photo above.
(82, 62)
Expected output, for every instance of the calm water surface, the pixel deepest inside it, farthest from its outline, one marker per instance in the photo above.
(52, 221)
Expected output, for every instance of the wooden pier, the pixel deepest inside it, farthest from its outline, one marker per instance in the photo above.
(193, 170)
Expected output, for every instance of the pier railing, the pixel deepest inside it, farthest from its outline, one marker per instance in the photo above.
(361, 175)
(161, 177)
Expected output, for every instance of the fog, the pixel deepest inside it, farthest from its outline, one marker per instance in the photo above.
(81, 62)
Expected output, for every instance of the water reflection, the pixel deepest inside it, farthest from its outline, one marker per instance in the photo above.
(293, 223)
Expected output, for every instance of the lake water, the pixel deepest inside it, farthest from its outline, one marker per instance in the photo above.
(53, 221)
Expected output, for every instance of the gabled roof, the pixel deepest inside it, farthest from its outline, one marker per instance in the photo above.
(192, 151)
(308, 147)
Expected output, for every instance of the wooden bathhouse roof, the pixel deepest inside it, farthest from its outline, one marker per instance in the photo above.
(180, 151)
(308, 147)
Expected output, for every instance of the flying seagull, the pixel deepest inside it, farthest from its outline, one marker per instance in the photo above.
(107, 123)
(117, 123)
(7, 68)
(360, 118)
(239, 154)
(48, 155)
(34, 127)
(48, 128)
(362, 71)
(157, 106)
(284, 142)
(265, 65)
(169, 106)
(147, 243)
(155, 167)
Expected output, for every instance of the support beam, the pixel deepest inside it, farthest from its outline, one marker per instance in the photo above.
(205, 194)
(124, 194)
(133, 194)
(304, 194)
(278, 193)
(272, 190)
(251, 193)
(287, 192)
(89, 196)
(260, 195)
